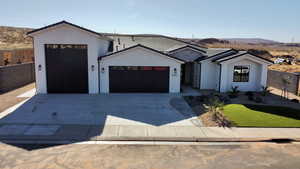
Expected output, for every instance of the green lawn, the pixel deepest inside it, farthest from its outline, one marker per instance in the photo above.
(262, 116)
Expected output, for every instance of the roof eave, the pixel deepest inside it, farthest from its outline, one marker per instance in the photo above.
(199, 60)
(139, 45)
(33, 32)
(267, 61)
(186, 46)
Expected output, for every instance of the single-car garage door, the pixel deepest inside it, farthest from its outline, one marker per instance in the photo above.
(138, 79)
(66, 68)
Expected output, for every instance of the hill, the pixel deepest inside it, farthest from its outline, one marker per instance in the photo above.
(265, 48)
(14, 38)
(251, 40)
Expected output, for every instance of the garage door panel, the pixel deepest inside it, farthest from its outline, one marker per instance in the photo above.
(67, 70)
(141, 79)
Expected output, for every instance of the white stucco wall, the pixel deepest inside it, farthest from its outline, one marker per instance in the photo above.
(139, 57)
(209, 78)
(257, 74)
(210, 74)
(65, 34)
(254, 77)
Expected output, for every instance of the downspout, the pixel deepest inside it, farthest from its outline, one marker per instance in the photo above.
(200, 72)
(220, 74)
(98, 60)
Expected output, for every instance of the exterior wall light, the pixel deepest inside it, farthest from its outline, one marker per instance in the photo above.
(175, 72)
(102, 70)
(93, 67)
(40, 67)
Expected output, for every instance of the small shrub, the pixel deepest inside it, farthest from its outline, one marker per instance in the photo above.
(215, 106)
(249, 93)
(234, 92)
(202, 98)
(258, 99)
(251, 97)
(265, 90)
(295, 101)
(191, 98)
(224, 98)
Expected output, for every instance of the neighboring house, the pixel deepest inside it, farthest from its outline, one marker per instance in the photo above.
(72, 59)
(279, 60)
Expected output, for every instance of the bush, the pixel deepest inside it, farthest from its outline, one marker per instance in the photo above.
(251, 97)
(258, 99)
(265, 90)
(215, 106)
(249, 93)
(202, 98)
(295, 101)
(224, 98)
(191, 98)
(234, 92)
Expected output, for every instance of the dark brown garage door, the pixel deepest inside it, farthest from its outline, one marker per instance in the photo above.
(67, 68)
(138, 79)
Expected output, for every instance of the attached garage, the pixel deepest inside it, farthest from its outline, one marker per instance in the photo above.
(66, 68)
(130, 79)
(139, 69)
(66, 58)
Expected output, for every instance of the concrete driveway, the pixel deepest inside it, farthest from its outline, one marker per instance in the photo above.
(113, 109)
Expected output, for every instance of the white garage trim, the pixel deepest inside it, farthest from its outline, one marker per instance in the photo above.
(65, 23)
(66, 34)
(140, 56)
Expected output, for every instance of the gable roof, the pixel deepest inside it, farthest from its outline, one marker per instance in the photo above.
(240, 53)
(176, 48)
(158, 42)
(70, 24)
(227, 54)
(222, 53)
(139, 45)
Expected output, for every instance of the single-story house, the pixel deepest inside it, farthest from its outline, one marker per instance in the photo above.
(73, 59)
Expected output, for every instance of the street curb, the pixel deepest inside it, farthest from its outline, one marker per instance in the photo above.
(160, 139)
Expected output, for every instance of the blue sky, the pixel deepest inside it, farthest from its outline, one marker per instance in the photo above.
(271, 19)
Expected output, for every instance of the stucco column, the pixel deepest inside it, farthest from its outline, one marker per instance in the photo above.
(264, 75)
(223, 78)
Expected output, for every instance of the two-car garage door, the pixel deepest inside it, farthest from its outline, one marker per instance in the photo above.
(66, 68)
(138, 79)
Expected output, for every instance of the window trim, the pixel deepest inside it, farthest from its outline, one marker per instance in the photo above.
(249, 68)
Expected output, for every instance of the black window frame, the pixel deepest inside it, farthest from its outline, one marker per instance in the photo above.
(241, 77)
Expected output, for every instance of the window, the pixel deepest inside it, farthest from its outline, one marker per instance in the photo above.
(241, 74)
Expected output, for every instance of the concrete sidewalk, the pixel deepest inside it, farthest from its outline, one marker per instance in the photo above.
(76, 133)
